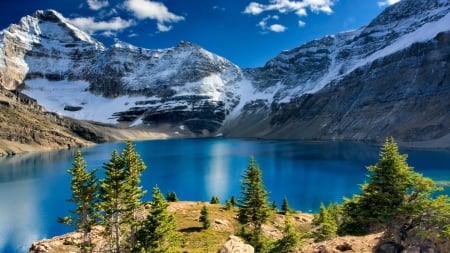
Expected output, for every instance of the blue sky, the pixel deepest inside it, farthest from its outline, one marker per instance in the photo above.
(248, 33)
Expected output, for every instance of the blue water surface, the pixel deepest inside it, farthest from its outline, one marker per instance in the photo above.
(34, 187)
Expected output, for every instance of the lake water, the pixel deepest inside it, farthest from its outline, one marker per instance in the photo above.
(34, 187)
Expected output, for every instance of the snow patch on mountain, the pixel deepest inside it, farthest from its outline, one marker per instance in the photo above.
(427, 32)
(55, 96)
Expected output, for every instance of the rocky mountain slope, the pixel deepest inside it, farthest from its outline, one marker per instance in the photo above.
(26, 126)
(390, 77)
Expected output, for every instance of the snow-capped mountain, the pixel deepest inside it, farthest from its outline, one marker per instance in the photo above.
(390, 77)
(71, 73)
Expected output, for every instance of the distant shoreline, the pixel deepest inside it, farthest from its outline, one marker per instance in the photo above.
(111, 133)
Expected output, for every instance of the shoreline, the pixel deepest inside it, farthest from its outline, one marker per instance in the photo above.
(81, 133)
(111, 133)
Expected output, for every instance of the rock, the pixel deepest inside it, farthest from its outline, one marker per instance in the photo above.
(389, 247)
(322, 249)
(344, 247)
(235, 244)
(413, 249)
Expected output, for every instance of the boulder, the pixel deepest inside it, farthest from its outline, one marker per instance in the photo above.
(235, 244)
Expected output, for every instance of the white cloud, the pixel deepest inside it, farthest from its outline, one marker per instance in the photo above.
(109, 34)
(163, 27)
(97, 4)
(387, 2)
(301, 23)
(284, 6)
(254, 8)
(277, 28)
(89, 24)
(147, 9)
(301, 12)
(274, 27)
(218, 8)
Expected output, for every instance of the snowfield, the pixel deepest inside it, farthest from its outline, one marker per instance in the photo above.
(54, 96)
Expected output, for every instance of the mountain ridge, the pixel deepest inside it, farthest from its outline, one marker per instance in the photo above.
(303, 93)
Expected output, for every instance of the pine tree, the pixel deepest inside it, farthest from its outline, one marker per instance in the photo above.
(214, 200)
(84, 188)
(112, 190)
(253, 208)
(273, 205)
(157, 232)
(393, 188)
(233, 201)
(133, 166)
(172, 197)
(290, 238)
(285, 206)
(327, 224)
(228, 205)
(204, 218)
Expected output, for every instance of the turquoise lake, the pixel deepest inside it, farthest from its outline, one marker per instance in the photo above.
(34, 187)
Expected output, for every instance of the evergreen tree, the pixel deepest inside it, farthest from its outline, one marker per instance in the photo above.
(172, 197)
(233, 201)
(327, 224)
(285, 206)
(112, 190)
(157, 232)
(228, 205)
(84, 188)
(290, 239)
(214, 200)
(133, 166)
(393, 189)
(273, 205)
(253, 208)
(204, 218)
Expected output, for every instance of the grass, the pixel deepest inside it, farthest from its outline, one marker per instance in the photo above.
(193, 238)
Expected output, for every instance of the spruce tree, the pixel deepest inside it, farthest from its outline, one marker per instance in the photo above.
(327, 224)
(228, 205)
(214, 200)
(172, 197)
(273, 205)
(285, 206)
(84, 188)
(393, 189)
(133, 166)
(253, 208)
(157, 232)
(290, 238)
(112, 190)
(233, 201)
(204, 218)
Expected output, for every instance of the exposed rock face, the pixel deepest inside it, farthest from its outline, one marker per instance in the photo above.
(403, 95)
(389, 78)
(26, 125)
(235, 244)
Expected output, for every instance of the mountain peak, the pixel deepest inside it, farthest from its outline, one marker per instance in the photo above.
(412, 9)
(53, 25)
(49, 15)
(187, 44)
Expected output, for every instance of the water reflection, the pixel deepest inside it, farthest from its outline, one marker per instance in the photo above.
(217, 176)
(23, 224)
(31, 165)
